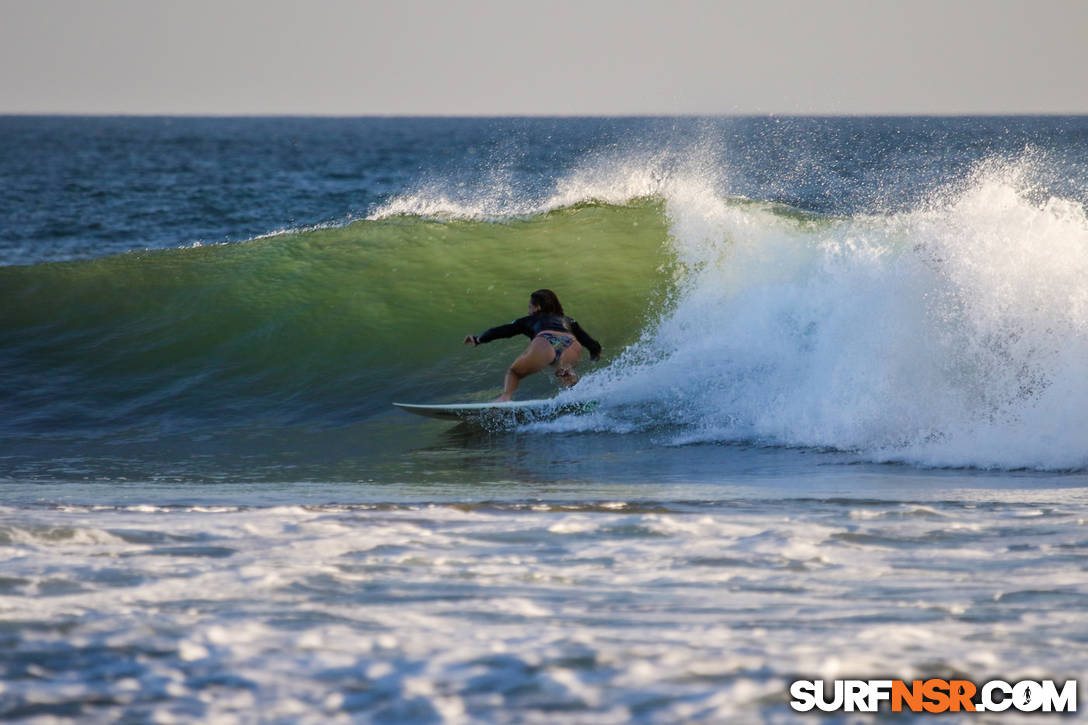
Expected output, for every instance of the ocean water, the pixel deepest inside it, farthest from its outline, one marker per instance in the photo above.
(841, 431)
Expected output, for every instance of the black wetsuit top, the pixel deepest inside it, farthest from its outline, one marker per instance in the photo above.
(533, 325)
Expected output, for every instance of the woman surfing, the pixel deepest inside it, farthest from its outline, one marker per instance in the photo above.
(556, 340)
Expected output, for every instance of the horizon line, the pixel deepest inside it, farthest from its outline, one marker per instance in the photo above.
(746, 114)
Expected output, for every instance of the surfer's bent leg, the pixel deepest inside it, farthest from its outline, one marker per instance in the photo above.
(536, 357)
(564, 369)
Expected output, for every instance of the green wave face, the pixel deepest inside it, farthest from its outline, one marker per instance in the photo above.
(318, 327)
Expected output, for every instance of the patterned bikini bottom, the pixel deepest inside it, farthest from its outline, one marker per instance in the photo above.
(559, 343)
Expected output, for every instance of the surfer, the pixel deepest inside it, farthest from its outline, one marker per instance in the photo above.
(556, 340)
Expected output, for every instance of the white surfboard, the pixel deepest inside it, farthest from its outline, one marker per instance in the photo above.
(516, 411)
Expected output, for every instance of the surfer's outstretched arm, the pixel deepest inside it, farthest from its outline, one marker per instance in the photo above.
(520, 326)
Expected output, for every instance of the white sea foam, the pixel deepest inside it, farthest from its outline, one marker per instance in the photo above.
(955, 334)
(323, 614)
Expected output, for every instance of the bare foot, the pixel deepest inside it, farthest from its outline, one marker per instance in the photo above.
(567, 378)
(502, 399)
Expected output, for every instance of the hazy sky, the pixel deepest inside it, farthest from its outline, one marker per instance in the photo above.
(544, 57)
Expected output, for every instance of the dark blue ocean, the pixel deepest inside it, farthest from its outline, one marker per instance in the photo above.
(840, 425)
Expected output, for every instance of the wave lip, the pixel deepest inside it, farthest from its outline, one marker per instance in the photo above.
(613, 180)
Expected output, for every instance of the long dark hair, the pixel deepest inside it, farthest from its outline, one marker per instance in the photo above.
(546, 300)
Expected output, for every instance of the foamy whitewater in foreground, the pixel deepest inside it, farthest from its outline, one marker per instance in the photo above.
(841, 429)
(619, 611)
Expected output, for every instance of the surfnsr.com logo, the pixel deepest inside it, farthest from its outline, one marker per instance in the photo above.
(933, 695)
